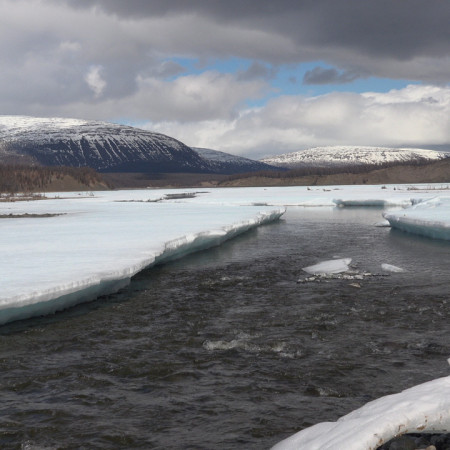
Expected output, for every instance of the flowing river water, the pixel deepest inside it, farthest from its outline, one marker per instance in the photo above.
(225, 349)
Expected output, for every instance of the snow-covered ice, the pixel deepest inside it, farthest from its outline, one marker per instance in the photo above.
(429, 218)
(329, 267)
(390, 268)
(373, 201)
(97, 244)
(423, 408)
(383, 223)
(388, 196)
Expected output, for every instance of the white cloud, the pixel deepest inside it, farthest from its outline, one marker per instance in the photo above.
(414, 116)
(207, 96)
(88, 63)
(95, 81)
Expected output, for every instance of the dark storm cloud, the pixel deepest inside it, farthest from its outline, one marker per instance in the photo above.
(393, 29)
(320, 75)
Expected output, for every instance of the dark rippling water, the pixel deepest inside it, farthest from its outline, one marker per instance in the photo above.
(224, 349)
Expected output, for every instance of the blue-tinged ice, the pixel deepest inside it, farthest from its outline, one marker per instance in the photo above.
(429, 218)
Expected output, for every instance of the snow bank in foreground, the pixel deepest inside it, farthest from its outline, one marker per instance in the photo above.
(429, 218)
(96, 245)
(329, 267)
(423, 408)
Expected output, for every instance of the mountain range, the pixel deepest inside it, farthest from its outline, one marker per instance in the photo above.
(108, 147)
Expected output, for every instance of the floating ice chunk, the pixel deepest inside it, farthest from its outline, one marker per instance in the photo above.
(383, 223)
(330, 266)
(391, 268)
(429, 218)
(423, 408)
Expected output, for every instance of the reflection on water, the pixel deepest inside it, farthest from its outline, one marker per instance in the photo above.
(224, 349)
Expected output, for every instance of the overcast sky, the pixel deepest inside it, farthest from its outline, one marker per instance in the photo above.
(254, 78)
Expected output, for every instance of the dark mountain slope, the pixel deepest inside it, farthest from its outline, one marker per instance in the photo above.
(102, 146)
(228, 164)
(108, 147)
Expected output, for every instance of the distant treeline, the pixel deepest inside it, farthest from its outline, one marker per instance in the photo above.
(320, 170)
(21, 178)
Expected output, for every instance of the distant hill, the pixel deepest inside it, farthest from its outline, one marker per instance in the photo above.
(412, 173)
(227, 163)
(108, 147)
(105, 147)
(352, 156)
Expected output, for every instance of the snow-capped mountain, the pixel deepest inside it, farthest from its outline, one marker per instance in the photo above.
(103, 146)
(227, 163)
(350, 156)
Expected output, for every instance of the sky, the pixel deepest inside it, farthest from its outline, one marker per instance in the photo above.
(252, 78)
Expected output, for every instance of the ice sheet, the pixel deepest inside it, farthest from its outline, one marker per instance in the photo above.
(100, 240)
(398, 196)
(97, 243)
(429, 218)
(363, 195)
(423, 408)
(375, 201)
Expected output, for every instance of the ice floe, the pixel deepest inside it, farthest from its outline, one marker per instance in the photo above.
(391, 268)
(329, 267)
(97, 244)
(383, 223)
(430, 218)
(422, 408)
(372, 202)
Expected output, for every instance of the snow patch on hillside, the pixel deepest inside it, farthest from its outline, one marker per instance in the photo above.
(340, 156)
(48, 129)
(101, 145)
